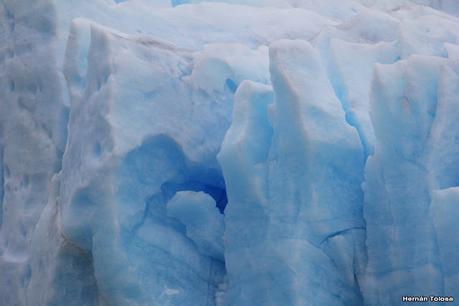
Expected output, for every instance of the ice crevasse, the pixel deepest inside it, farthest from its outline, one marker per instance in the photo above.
(228, 153)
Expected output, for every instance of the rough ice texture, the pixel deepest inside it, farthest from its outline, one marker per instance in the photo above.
(228, 152)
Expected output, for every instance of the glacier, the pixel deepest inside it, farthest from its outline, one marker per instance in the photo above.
(228, 152)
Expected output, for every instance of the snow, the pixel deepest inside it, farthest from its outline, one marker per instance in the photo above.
(228, 152)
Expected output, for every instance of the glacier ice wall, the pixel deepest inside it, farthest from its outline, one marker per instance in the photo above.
(302, 191)
(243, 152)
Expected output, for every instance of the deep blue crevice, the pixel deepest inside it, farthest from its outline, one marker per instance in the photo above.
(216, 192)
(176, 173)
(231, 85)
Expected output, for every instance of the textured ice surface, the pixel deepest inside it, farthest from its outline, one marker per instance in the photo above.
(203, 221)
(291, 188)
(228, 152)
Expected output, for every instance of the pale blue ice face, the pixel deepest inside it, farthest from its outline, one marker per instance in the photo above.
(228, 152)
